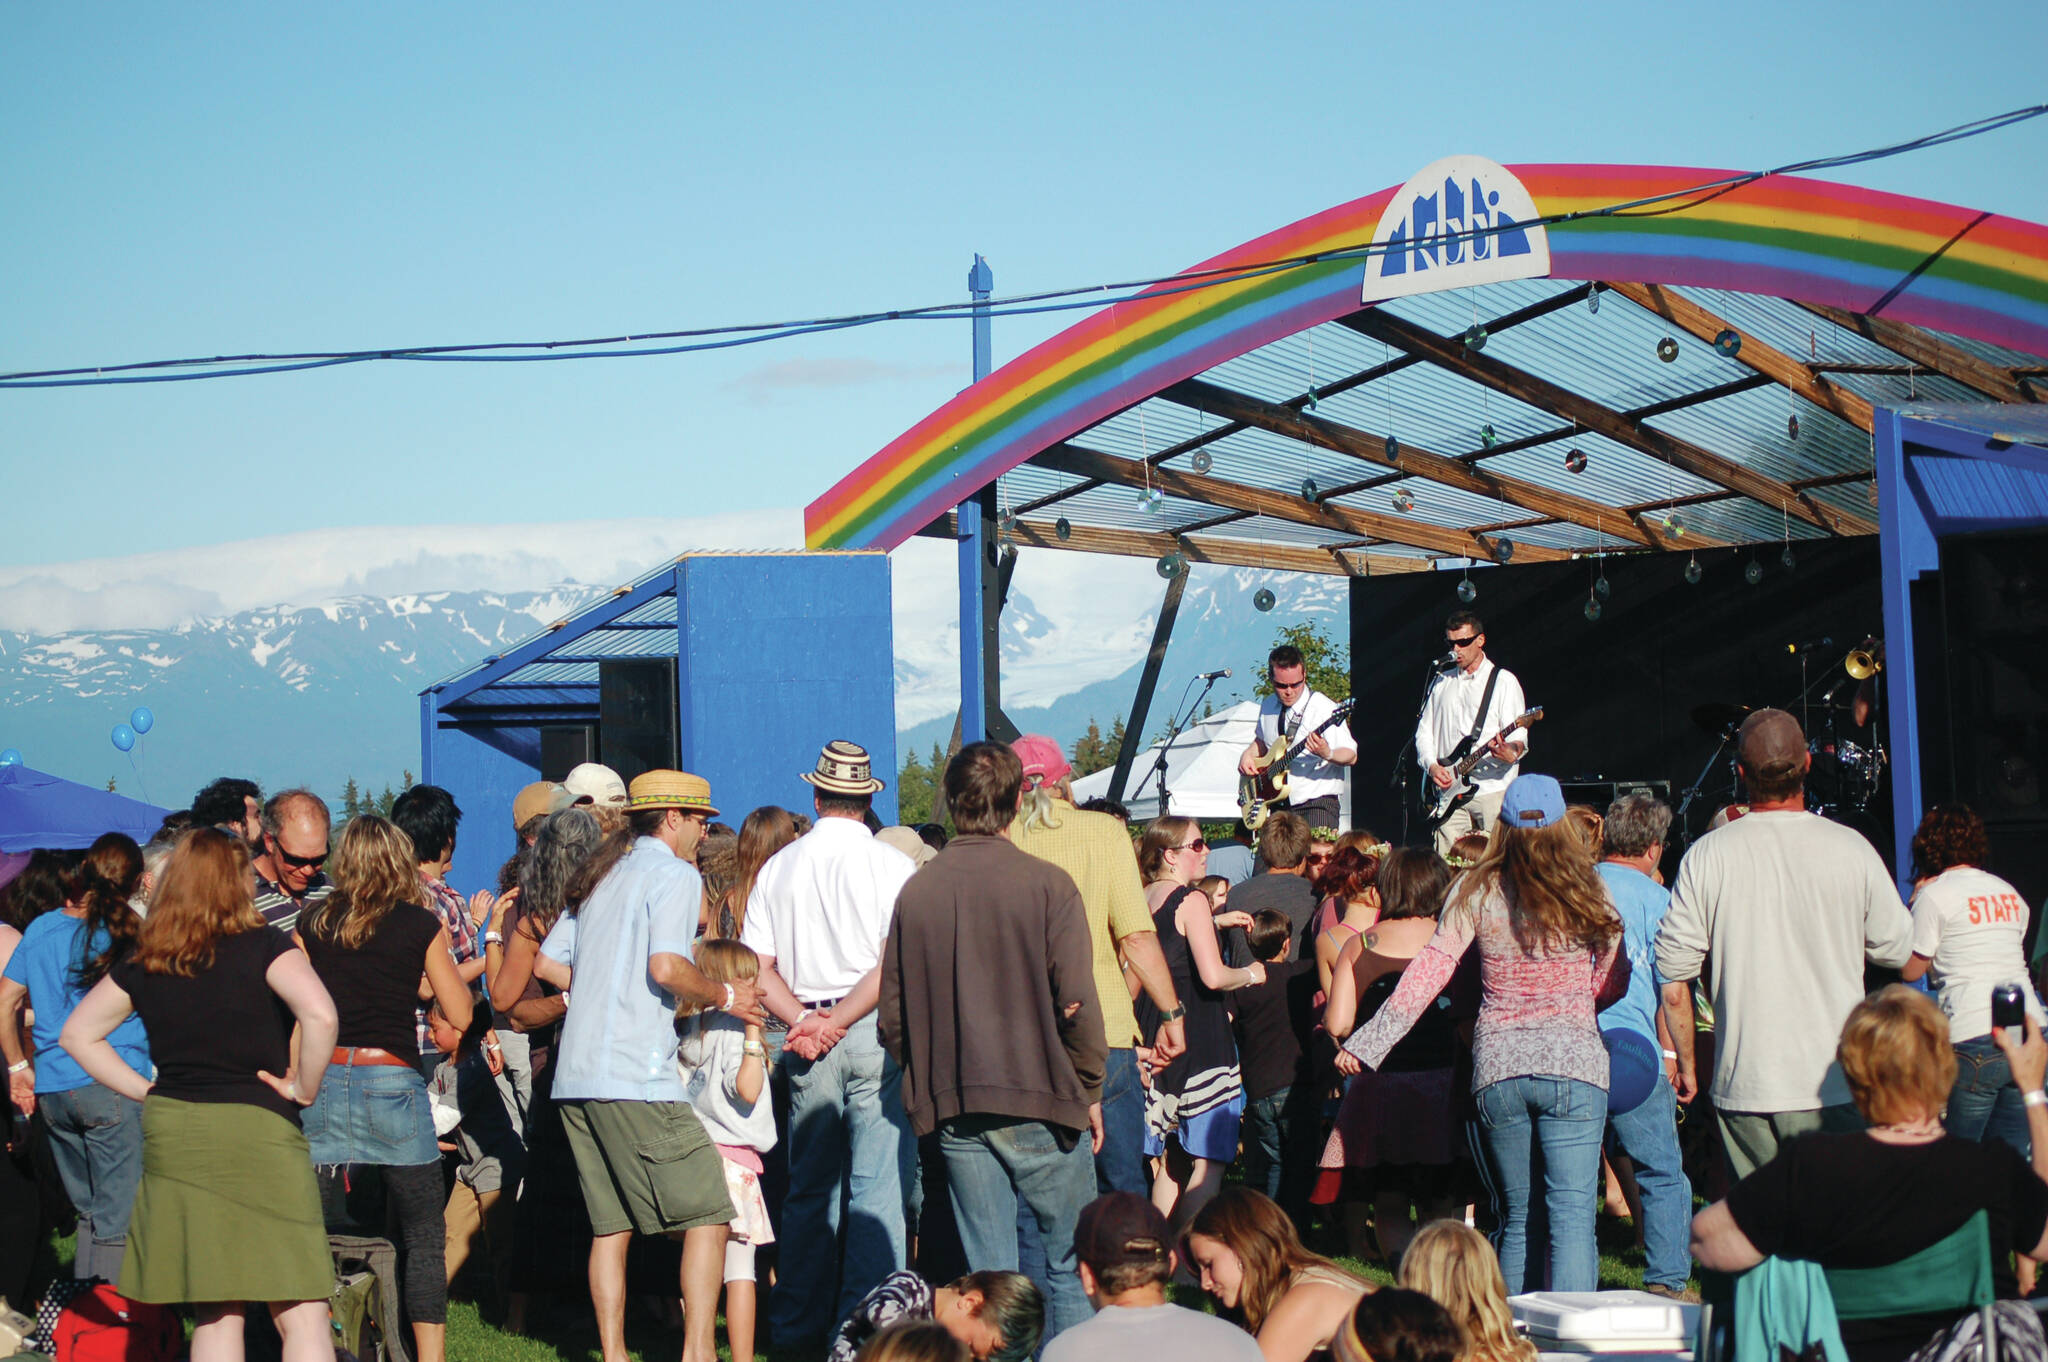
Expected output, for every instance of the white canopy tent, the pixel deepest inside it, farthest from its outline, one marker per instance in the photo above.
(1201, 771)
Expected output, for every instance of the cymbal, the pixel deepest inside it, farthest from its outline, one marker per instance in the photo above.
(1720, 719)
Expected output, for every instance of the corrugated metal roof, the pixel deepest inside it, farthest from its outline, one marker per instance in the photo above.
(1607, 354)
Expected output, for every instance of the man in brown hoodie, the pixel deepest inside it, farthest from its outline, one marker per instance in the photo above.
(988, 1002)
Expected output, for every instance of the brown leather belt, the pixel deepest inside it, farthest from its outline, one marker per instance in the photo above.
(359, 1055)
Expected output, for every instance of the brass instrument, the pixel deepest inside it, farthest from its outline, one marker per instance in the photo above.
(1866, 661)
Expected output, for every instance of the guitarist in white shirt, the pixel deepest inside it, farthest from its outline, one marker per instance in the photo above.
(1453, 713)
(1314, 779)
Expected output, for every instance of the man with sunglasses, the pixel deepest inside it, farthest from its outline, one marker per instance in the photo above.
(289, 878)
(1315, 779)
(1472, 699)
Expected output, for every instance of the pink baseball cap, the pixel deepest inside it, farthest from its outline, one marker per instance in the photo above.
(1042, 758)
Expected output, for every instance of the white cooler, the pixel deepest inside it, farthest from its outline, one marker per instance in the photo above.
(1605, 1322)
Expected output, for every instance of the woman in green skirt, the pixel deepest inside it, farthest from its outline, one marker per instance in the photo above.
(227, 1210)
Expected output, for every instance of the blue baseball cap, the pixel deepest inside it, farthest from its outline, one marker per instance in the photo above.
(1532, 802)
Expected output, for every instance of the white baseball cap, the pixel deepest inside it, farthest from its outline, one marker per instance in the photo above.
(596, 783)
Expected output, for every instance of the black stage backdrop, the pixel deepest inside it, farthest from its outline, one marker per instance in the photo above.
(1617, 692)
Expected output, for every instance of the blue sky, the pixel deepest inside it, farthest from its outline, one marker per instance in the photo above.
(188, 180)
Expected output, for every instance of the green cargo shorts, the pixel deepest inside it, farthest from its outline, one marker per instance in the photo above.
(645, 1166)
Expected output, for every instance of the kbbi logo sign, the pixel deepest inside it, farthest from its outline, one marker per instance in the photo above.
(1462, 221)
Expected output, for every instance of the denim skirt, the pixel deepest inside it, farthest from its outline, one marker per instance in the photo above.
(374, 1114)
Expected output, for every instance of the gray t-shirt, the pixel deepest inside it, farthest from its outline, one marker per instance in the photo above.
(1122, 1332)
(1790, 906)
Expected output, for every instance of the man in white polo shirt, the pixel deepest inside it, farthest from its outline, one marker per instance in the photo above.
(818, 917)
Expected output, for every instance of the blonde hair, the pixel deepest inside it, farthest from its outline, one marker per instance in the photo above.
(913, 1341)
(1555, 897)
(1452, 1264)
(1895, 1052)
(374, 869)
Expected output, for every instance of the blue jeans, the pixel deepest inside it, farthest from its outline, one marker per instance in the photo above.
(1649, 1136)
(373, 1114)
(1120, 1167)
(848, 1140)
(1567, 1118)
(1985, 1102)
(997, 1162)
(96, 1143)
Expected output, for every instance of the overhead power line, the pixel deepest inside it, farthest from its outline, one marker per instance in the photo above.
(691, 340)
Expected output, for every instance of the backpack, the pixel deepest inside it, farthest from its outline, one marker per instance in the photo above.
(102, 1325)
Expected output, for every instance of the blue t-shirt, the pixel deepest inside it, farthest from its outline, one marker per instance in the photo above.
(1641, 902)
(46, 964)
(618, 1041)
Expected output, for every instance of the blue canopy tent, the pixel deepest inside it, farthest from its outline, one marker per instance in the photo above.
(41, 810)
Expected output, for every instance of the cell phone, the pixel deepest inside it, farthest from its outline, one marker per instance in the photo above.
(2009, 1010)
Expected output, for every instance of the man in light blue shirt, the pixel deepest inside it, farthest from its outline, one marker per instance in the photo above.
(1632, 842)
(642, 1158)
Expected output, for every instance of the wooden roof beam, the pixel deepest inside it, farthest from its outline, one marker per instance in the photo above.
(1450, 353)
(1767, 360)
(1198, 548)
(1930, 352)
(1341, 385)
(1409, 460)
(1231, 496)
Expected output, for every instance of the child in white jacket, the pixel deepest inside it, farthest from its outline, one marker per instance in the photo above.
(725, 1076)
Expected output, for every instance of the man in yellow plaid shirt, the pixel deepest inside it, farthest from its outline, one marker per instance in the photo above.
(1095, 850)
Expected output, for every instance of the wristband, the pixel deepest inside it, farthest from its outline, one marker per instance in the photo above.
(753, 1047)
(731, 996)
(1671, 1054)
(2036, 1098)
(17, 1068)
(494, 938)
(1174, 1013)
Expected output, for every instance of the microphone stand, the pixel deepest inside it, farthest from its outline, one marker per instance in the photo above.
(1397, 779)
(1173, 733)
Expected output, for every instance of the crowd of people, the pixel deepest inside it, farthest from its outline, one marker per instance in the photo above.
(801, 1071)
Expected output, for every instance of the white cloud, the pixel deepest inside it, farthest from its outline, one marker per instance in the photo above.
(308, 567)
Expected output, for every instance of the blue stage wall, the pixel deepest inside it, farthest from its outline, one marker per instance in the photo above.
(776, 655)
(780, 654)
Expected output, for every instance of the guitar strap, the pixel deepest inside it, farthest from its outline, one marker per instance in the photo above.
(1479, 719)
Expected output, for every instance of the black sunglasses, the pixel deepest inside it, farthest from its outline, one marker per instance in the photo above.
(1462, 642)
(297, 862)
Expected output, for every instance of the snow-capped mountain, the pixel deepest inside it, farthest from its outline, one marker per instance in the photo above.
(321, 693)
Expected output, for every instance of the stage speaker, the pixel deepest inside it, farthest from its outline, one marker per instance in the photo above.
(636, 708)
(564, 747)
(1986, 733)
(1600, 792)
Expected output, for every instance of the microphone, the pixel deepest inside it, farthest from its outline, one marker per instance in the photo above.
(1797, 648)
(1217, 675)
(1448, 662)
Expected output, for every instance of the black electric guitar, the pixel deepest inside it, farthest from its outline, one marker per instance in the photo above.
(1257, 794)
(1439, 805)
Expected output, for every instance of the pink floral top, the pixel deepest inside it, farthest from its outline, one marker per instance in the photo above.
(1536, 1012)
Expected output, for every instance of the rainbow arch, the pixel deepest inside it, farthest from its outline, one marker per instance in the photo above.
(1974, 274)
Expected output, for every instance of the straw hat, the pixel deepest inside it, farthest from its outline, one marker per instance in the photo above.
(670, 790)
(844, 769)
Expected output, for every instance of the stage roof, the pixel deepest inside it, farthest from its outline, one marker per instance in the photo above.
(1692, 372)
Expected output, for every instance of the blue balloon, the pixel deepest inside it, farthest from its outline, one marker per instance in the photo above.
(1633, 1068)
(124, 737)
(11, 757)
(142, 720)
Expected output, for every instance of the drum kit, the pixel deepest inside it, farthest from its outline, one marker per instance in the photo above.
(1846, 772)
